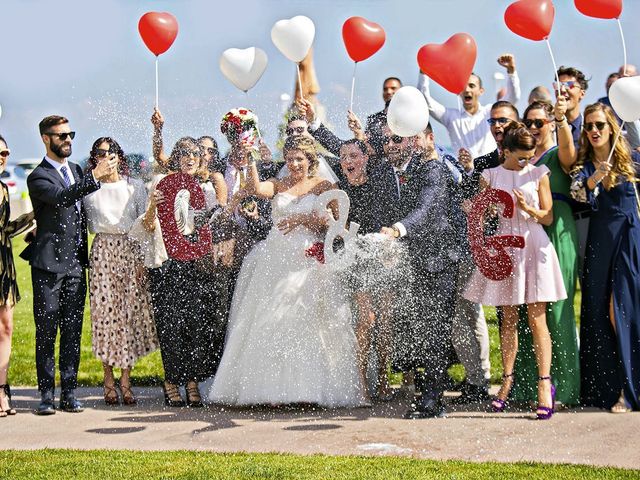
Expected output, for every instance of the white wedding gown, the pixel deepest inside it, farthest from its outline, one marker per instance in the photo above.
(290, 338)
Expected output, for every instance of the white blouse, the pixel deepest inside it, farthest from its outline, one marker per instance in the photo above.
(115, 206)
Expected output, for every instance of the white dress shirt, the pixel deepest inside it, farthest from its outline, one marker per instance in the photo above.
(465, 130)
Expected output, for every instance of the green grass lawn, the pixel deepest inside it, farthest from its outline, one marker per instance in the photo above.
(148, 370)
(53, 464)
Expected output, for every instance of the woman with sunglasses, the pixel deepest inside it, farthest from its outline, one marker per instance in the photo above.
(190, 324)
(536, 278)
(122, 324)
(610, 312)
(9, 294)
(545, 123)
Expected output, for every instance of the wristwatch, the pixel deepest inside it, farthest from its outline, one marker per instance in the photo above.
(396, 232)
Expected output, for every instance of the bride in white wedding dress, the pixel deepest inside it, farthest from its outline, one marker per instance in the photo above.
(289, 338)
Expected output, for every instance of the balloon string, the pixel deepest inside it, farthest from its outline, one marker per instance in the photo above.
(157, 82)
(353, 86)
(555, 67)
(299, 81)
(624, 48)
(613, 147)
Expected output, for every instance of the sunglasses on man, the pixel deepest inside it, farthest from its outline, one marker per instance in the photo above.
(62, 136)
(568, 85)
(498, 121)
(295, 131)
(538, 122)
(393, 138)
(598, 125)
(5, 153)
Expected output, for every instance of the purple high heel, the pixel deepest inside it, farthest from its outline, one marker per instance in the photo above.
(497, 404)
(547, 411)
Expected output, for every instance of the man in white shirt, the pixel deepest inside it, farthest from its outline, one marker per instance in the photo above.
(468, 126)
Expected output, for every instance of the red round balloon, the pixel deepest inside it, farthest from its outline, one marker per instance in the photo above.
(177, 245)
(532, 19)
(449, 64)
(158, 31)
(607, 9)
(496, 266)
(362, 38)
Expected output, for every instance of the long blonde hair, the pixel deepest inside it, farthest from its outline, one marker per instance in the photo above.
(622, 165)
(307, 146)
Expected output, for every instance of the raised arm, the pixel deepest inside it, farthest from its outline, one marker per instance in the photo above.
(436, 109)
(567, 153)
(158, 147)
(513, 92)
(255, 187)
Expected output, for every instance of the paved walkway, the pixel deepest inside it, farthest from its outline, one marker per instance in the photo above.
(574, 436)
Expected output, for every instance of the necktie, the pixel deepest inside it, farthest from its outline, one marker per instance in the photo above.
(67, 180)
(399, 181)
(65, 175)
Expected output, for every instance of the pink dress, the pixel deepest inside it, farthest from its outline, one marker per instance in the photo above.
(536, 273)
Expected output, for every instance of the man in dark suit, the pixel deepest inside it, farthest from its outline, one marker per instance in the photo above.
(58, 258)
(416, 207)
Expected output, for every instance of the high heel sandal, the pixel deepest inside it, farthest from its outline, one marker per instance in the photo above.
(498, 404)
(128, 398)
(172, 396)
(111, 395)
(547, 412)
(7, 394)
(194, 400)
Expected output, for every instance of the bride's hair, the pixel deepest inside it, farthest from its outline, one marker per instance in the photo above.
(307, 146)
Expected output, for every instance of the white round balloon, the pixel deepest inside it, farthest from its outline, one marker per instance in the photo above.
(294, 37)
(624, 95)
(408, 112)
(243, 67)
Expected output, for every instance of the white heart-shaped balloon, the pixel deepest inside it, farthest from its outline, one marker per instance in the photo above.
(294, 37)
(408, 112)
(624, 95)
(243, 67)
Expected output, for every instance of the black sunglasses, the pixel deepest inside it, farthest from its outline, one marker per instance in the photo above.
(599, 126)
(538, 122)
(62, 136)
(393, 138)
(499, 121)
(296, 130)
(101, 152)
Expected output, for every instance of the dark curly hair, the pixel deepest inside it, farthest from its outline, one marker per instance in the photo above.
(114, 147)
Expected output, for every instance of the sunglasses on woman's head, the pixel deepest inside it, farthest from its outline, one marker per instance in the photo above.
(599, 126)
(393, 138)
(5, 153)
(538, 122)
(295, 131)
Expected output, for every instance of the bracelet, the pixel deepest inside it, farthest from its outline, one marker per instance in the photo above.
(563, 119)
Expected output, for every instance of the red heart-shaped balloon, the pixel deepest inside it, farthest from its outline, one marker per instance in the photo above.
(600, 8)
(449, 64)
(532, 19)
(158, 31)
(362, 38)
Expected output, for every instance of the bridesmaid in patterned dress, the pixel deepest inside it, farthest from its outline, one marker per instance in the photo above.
(9, 294)
(121, 315)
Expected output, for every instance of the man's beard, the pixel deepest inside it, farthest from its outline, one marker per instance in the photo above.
(59, 150)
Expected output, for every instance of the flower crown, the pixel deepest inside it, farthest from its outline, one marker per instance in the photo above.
(238, 121)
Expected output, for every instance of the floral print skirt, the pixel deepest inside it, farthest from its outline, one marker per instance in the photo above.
(123, 329)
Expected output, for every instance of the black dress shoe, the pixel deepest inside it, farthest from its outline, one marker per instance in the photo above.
(472, 394)
(69, 402)
(430, 406)
(46, 406)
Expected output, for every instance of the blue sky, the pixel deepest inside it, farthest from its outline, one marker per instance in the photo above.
(84, 59)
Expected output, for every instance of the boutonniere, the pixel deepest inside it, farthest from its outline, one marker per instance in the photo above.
(403, 178)
(315, 251)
